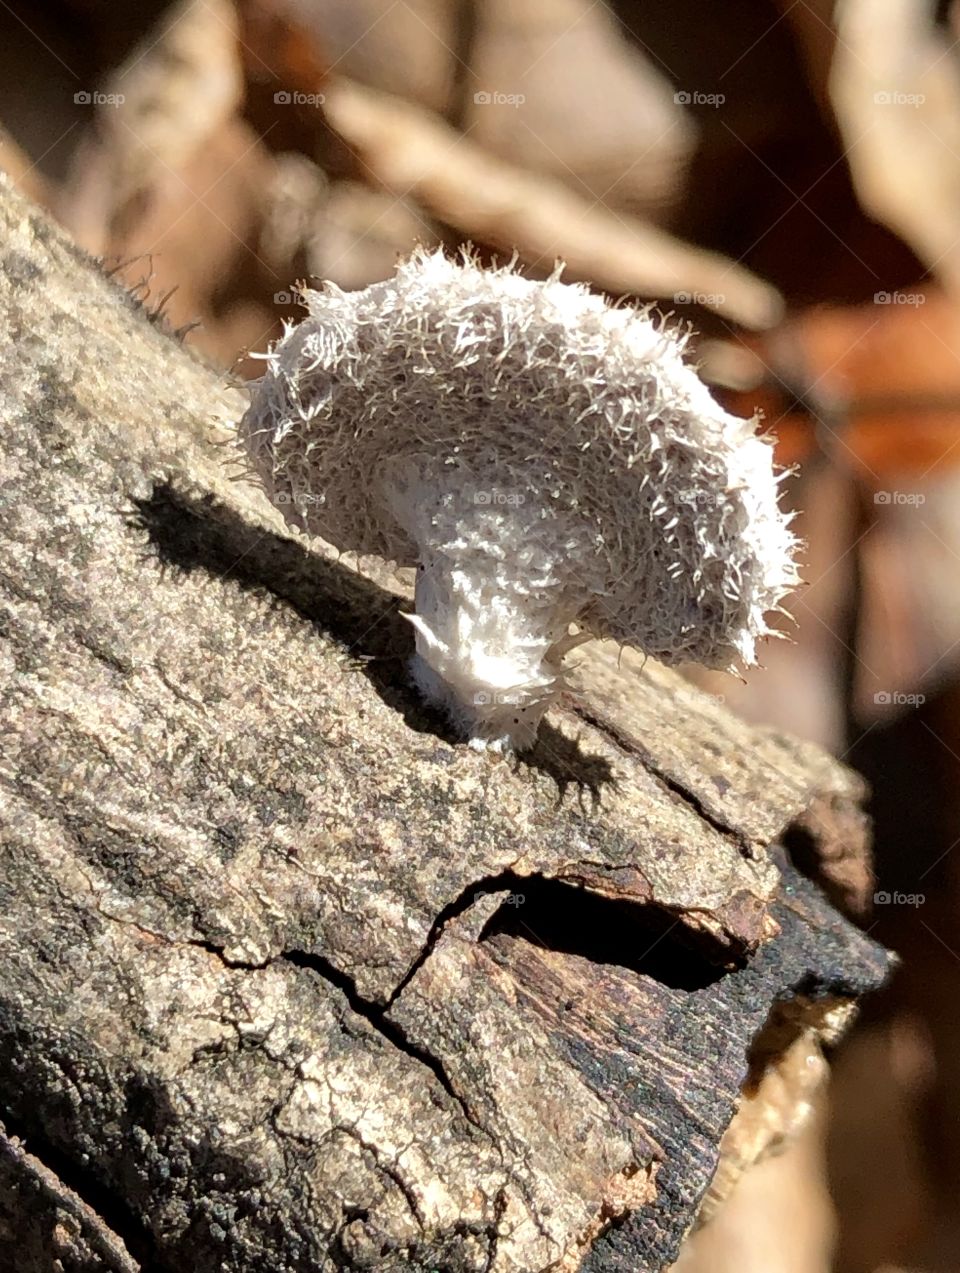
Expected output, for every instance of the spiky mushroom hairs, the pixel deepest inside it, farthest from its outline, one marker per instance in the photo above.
(543, 458)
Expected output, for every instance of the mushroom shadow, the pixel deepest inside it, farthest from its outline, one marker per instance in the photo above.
(190, 534)
(562, 759)
(364, 619)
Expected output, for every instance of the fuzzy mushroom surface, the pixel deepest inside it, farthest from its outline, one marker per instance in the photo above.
(543, 458)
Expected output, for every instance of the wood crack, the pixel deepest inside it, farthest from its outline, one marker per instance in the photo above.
(747, 847)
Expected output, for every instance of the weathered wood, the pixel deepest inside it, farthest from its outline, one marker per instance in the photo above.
(44, 1225)
(290, 979)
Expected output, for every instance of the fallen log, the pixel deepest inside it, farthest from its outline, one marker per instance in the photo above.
(291, 980)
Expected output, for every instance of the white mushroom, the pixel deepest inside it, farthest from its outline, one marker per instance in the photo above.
(543, 458)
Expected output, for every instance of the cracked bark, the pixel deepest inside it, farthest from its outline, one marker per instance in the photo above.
(289, 979)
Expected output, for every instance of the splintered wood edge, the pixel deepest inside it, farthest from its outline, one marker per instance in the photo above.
(779, 1095)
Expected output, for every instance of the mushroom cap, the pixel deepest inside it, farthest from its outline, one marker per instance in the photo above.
(660, 508)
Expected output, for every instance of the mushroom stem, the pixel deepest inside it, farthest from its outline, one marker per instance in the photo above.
(492, 609)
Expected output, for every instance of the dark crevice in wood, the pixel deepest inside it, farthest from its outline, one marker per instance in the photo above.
(495, 884)
(641, 938)
(803, 850)
(375, 1015)
(568, 918)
